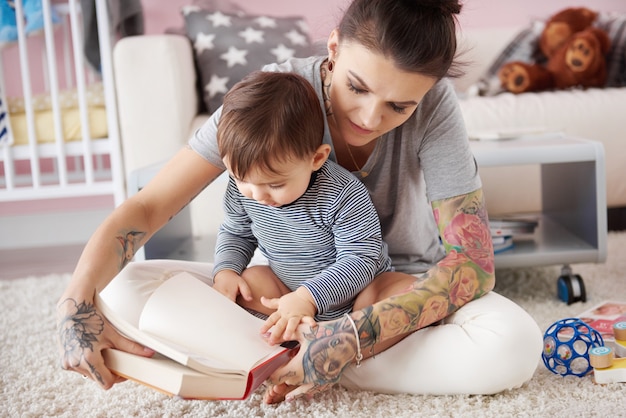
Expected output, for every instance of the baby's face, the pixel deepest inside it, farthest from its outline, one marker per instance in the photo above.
(274, 189)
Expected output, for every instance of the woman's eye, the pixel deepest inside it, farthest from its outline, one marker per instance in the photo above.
(398, 109)
(355, 89)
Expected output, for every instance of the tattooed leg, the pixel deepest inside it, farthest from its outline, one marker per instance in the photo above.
(77, 331)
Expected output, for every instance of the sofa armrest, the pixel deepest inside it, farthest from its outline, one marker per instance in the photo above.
(157, 99)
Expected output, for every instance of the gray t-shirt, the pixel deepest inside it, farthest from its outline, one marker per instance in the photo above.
(427, 158)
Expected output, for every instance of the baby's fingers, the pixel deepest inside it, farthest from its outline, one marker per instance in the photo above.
(276, 333)
(270, 303)
(270, 322)
(292, 324)
(244, 291)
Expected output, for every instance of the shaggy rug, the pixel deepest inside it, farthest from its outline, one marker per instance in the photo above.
(33, 385)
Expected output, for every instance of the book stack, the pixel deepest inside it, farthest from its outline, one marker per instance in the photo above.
(504, 231)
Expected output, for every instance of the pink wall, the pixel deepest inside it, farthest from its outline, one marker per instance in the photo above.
(322, 15)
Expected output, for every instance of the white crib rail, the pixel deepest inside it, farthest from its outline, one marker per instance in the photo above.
(89, 180)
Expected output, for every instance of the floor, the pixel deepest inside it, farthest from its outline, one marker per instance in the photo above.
(38, 261)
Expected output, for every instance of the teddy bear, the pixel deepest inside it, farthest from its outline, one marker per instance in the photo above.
(574, 52)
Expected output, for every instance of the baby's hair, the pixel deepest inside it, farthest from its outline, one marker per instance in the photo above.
(269, 118)
(418, 35)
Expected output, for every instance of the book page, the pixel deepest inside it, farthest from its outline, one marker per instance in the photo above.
(193, 315)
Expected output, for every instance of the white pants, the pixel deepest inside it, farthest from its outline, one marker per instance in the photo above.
(487, 346)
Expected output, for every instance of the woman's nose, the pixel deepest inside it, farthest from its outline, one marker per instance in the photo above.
(370, 115)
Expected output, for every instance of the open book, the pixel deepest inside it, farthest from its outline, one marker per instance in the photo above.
(208, 347)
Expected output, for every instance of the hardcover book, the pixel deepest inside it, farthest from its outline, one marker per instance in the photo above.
(208, 347)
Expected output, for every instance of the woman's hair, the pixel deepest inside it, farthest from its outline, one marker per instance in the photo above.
(269, 118)
(418, 35)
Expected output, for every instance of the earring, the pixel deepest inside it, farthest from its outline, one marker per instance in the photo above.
(331, 63)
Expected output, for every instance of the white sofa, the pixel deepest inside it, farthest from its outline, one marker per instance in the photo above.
(156, 92)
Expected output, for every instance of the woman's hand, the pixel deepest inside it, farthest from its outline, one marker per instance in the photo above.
(326, 349)
(83, 333)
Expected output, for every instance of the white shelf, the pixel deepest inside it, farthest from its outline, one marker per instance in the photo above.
(572, 224)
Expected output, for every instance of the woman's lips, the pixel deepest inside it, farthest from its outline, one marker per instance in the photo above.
(360, 130)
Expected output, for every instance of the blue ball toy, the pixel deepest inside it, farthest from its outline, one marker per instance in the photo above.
(566, 345)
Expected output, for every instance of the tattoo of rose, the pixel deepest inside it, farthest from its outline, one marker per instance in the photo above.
(393, 322)
(469, 233)
(435, 308)
(78, 330)
(463, 286)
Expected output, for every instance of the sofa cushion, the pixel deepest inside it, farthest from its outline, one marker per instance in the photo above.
(229, 46)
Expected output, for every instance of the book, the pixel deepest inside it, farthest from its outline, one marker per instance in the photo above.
(603, 316)
(502, 243)
(511, 227)
(207, 346)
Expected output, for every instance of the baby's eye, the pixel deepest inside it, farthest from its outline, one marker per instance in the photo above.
(276, 186)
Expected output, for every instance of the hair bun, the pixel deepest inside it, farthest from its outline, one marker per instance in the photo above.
(447, 7)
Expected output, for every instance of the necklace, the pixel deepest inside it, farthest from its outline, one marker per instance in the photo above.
(362, 172)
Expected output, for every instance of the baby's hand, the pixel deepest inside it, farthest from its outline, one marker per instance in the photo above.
(231, 285)
(291, 310)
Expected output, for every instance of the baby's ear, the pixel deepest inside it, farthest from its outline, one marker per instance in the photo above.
(320, 156)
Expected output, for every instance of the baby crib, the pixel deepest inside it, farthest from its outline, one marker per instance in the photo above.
(61, 138)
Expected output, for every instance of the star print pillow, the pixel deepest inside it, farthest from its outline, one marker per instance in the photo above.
(228, 47)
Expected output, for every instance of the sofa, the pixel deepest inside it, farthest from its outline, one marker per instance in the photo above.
(158, 111)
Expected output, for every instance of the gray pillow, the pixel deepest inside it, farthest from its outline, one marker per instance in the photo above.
(228, 47)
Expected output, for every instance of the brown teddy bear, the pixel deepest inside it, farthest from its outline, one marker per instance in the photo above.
(563, 25)
(575, 53)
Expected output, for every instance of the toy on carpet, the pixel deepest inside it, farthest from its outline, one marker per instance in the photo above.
(607, 368)
(619, 331)
(574, 53)
(566, 345)
(33, 16)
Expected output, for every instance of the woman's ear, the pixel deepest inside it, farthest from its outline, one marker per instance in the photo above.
(332, 45)
(320, 156)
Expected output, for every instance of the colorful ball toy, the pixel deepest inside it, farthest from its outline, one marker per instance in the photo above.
(566, 345)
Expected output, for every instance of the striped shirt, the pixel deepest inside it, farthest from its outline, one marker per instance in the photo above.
(329, 240)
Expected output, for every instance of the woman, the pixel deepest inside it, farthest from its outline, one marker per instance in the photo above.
(393, 120)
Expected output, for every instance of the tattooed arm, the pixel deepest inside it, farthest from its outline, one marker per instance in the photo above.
(396, 304)
(82, 331)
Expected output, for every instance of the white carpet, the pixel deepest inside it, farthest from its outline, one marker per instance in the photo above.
(33, 385)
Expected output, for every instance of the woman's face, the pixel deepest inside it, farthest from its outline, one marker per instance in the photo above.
(369, 94)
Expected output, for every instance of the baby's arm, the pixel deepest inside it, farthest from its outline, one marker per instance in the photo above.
(291, 309)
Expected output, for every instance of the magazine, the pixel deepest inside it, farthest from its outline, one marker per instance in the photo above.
(602, 317)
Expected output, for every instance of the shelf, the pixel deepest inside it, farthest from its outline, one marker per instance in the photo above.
(550, 244)
(572, 222)
(538, 149)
